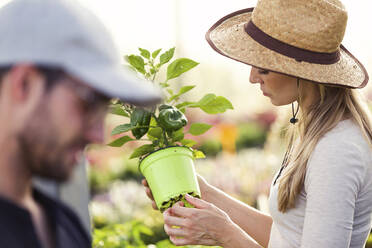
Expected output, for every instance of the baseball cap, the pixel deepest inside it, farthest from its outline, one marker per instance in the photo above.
(64, 34)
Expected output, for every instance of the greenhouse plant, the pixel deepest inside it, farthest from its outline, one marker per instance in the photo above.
(165, 156)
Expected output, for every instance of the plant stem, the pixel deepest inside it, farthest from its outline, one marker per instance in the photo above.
(144, 127)
(165, 138)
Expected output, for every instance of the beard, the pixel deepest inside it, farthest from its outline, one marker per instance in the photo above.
(41, 152)
(47, 166)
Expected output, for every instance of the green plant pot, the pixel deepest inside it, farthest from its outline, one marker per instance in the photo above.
(170, 173)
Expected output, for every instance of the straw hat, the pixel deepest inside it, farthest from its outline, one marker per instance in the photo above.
(301, 38)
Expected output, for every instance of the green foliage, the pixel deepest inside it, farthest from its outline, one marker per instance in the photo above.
(164, 126)
(117, 109)
(155, 53)
(167, 56)
(250, 135)
(142, 150)
(144, 53)
(199, 128)
(133, 234)
(168, 244)
(210, 104)
(211, 147)
(100, 179)
(121, 129)
(198, 154)
(137, 62)
(188, 142)
(179, 66)
(182, 91)
(121, 235)
(120, 141)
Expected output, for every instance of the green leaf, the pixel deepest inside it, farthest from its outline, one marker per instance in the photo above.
(144, 53)
(155, 53)
(182, 91)
(212, 104)
(178, 135)
(179, 66)
(120, 141)
(142, 150)
(198, 154)
(218, 105)
(156, 132)
(118, 110)
(121, 129)
(168, 55)
(170, 91)
(206, 99)
(164, 85)
(199, 128)
(185, 104)
(137, 62)
(131, 68)
(188, 142)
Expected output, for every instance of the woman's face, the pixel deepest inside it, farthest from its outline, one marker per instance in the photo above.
(280, 88)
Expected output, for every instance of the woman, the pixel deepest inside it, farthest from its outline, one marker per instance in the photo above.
(322, 195)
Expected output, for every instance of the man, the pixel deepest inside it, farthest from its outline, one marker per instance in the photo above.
(58, 69)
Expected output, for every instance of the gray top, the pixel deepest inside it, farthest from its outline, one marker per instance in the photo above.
(334, 208)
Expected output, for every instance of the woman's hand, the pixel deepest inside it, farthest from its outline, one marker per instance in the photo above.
(149, 193)
(203, 225)
(203, 185)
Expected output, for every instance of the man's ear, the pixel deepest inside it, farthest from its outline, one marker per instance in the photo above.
(25, 83)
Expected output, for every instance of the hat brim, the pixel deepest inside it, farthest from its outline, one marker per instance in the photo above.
(119, 83)
(229, 38)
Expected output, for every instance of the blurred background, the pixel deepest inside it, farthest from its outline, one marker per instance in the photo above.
(243, 148)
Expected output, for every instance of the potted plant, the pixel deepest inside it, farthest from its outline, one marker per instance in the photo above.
(166, 158)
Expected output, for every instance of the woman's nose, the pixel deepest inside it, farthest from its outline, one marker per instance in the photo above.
(254, 77)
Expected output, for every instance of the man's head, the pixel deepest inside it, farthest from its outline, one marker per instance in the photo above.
(49, 116)
(65, 67)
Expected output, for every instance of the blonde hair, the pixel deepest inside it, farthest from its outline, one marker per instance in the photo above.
(334, 105)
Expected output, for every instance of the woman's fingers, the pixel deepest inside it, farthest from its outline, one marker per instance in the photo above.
(173, 220)
(178, 232)
(180, 211)
(147, 189)
(144, 183)
(180, 241)
(196, 202)
(149, 193)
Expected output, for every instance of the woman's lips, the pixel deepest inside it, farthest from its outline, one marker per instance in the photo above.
(263, 92)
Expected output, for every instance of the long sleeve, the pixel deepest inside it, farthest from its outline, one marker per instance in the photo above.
(333, 181)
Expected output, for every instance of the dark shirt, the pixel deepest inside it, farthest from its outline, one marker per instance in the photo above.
(18, 231)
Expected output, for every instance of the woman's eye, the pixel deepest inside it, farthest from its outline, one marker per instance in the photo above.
(263, 71)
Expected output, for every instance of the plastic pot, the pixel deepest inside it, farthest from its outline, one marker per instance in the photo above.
(170, 173)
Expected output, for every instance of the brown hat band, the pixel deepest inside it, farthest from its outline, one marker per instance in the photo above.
(298, 54)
